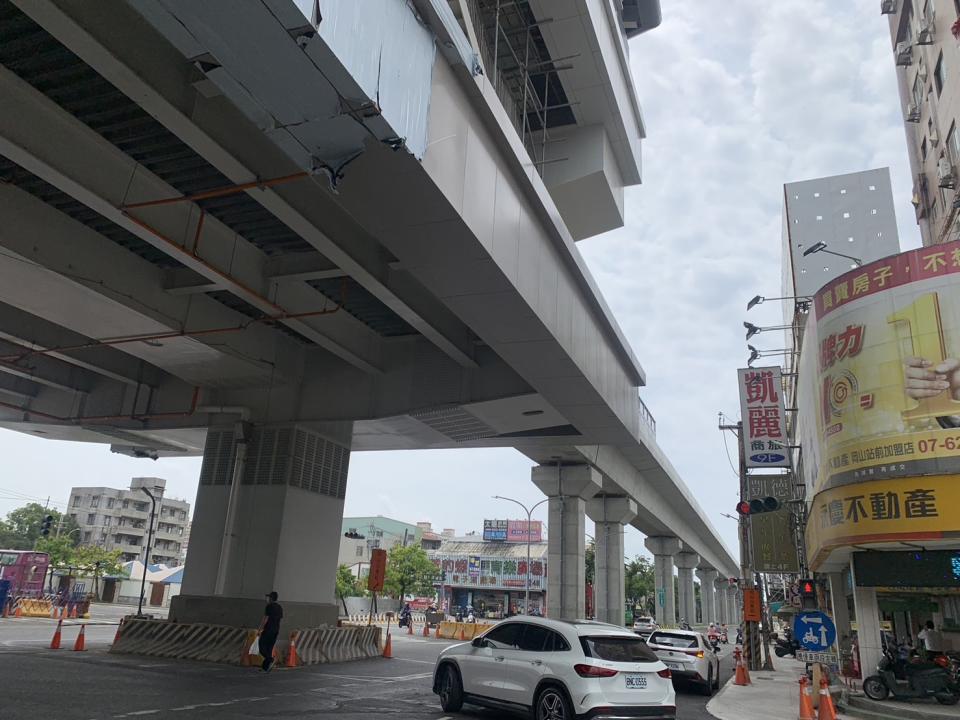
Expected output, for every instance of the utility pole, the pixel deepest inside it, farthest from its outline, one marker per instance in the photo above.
(751, 630)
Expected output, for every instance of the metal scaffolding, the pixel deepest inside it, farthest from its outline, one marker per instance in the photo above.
(519, 66)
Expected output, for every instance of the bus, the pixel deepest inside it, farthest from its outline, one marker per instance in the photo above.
(26, 570)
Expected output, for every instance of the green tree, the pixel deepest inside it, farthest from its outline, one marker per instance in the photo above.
(97, 562)
(348, 584)
(409, 570)
(640, 583)
(21, 529)
(61, 551)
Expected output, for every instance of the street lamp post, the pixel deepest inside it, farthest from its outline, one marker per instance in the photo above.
(529, 512)
(146, 552)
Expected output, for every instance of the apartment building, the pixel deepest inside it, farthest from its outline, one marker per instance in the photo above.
(927, 58)
(114, 519)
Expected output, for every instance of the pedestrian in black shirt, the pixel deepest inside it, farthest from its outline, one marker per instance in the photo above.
(270, 629)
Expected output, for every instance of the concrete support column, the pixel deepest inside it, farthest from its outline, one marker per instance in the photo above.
(610, 514)
(868, 628)
(268, 517)
(708, 577)
(567, 486)
(663, 550)
(733, 605)
(686, 562)
(720, 594)
(841, 613)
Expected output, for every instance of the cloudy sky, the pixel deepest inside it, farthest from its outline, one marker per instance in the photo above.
(739, 97)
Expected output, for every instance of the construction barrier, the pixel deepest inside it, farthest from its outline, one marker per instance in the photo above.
(364, 618)
(331, 645)
(158, 638)
(462, 631)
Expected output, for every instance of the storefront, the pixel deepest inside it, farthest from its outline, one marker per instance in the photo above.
(491, 577)
(879, 427)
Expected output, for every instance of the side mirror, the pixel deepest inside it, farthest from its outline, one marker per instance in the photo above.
(477, 642)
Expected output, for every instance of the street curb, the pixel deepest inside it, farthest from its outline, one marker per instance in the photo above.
(717, 697)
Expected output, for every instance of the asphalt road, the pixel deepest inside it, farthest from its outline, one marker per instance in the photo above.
(94, 685)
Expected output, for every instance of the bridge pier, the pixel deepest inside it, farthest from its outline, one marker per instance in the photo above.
(663, 550)
(720, 593)
(732, 605)
(686, 562)
(708, 603)
(268, 517)
(610, 515)
(567, 486)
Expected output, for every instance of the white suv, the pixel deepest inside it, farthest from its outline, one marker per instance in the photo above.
(689, 656)
(558, 670)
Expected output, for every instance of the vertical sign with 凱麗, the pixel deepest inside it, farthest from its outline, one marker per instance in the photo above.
(378, 570)
(764, 434)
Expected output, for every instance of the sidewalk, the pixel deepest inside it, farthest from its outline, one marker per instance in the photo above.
(771, 695)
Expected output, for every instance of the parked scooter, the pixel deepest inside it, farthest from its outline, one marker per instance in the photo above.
(723, 635)
(785, 646)
(916, 680)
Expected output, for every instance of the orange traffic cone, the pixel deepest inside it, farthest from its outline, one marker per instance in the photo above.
(81, 643)
(388, 648)
(18, 611)
(73, 612)
(437, 633)
(116, 637)
(55, 642)
(741, 677)
(426, 629)
(410, 627)
(827, 710)
(806, 700)
(292, 659)
(463, 634)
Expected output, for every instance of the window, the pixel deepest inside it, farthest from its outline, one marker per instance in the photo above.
(673, 640)
(77, 500)
(923, 149)
(86, 537)
(503, 636)
(618, 649)
(95, 501)
(110, 502)
(535, 638)
(953, 144)
(918, 91)
(940, 75)
(126, 503)
(92, 519)
(359, 550)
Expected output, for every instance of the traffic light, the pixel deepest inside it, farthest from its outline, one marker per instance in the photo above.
(354, 535)
(808, 593)
(758, 505)
(45, 525)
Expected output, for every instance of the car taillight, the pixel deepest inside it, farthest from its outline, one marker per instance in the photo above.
(588, 671)
(665, 674)
(695, 653)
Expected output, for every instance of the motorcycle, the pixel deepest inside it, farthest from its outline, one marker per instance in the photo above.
(906, 681)
(714, 639)
(785, 647)
(723, 636)
(739, 636)
(404, 619)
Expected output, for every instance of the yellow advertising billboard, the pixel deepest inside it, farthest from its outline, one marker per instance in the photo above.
(879, 380)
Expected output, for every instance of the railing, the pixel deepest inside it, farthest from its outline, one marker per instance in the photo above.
(647, 419)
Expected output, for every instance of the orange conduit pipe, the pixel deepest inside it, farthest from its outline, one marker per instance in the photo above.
(219, 192)
(105, 342)
(105, 418)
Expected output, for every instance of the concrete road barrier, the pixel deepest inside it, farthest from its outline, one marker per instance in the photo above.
(452, 630)
(332, 645)
(158, 638)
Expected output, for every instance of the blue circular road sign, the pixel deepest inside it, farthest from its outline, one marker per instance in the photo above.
(814, 630)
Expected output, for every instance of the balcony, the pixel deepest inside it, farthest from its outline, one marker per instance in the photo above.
(647, 420)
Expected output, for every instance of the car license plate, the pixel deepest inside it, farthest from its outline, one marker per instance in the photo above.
(636, 682)
(674, 666)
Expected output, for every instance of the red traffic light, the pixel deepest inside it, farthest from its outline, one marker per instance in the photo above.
(808, 588)
(743, 507)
